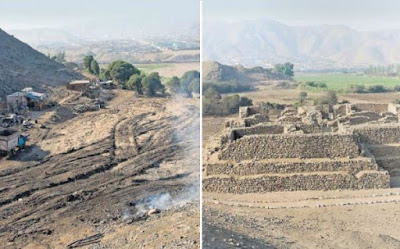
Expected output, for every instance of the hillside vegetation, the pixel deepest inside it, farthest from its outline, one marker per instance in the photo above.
(227, 79)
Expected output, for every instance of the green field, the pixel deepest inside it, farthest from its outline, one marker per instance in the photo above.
(150, 67)
(343, 81)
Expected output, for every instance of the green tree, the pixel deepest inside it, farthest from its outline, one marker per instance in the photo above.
(94, 66)
(120, 72)
(377, 89)
(104, 74)
(357, 88)
(174, 85)
(190, 81)
(195, 86)
(87, 62)
(245, 101)
(135, 83)
(211, 93)
(286, 69)
(152, 84)
(230, 104)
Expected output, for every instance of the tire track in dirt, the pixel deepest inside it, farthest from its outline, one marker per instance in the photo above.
(93, 183)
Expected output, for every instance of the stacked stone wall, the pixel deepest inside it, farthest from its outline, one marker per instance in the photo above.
(247, 111)
(378, 108)
(351, 166)
(258, 129)
(379, 134)
(259, 147)
(269, 183)
(341, 110)
(255, 119)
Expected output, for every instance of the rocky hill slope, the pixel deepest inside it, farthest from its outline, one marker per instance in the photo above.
(217, 72)
(21, 66)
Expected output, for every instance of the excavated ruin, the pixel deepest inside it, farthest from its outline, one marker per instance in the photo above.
(346, 146)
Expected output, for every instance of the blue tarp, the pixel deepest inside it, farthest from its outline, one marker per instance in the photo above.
(35, 96)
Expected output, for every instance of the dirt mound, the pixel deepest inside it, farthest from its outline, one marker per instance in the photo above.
(21, 66)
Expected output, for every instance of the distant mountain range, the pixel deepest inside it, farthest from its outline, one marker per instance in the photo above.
(266, 42)
(21, 66)
(98, 31)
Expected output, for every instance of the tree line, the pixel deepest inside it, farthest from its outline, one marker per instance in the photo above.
(379, 70)
(215, 104)
(127, 76)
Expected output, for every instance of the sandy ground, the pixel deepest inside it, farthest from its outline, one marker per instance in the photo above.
(346, 219)
(99, 173)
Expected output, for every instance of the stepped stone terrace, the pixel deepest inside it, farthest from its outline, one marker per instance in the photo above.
(346, 146)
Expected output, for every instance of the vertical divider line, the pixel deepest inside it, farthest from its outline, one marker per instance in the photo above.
(201, 123)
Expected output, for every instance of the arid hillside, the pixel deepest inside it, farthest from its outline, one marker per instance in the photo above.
(21, 66)
(217, 72)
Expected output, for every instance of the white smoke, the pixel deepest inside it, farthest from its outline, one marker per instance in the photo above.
(187, 133)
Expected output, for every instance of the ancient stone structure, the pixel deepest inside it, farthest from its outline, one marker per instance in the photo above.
(347, 146)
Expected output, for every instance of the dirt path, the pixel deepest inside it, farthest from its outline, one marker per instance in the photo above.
(95, 169)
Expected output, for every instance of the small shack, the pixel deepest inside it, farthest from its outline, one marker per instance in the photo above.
(17, 102)
(79, 85)
(8, 140)
(20, 102)
(36, 101)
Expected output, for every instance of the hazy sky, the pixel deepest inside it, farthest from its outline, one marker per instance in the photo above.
(26, 14)
(359, 14)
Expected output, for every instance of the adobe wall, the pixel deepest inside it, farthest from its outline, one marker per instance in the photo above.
(258, 147)
(351, 166)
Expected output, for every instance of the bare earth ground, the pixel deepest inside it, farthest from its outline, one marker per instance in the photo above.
(301, 219)
(347, 219)
(100, 172)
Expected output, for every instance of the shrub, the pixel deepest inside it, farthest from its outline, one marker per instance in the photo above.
(377, 89)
